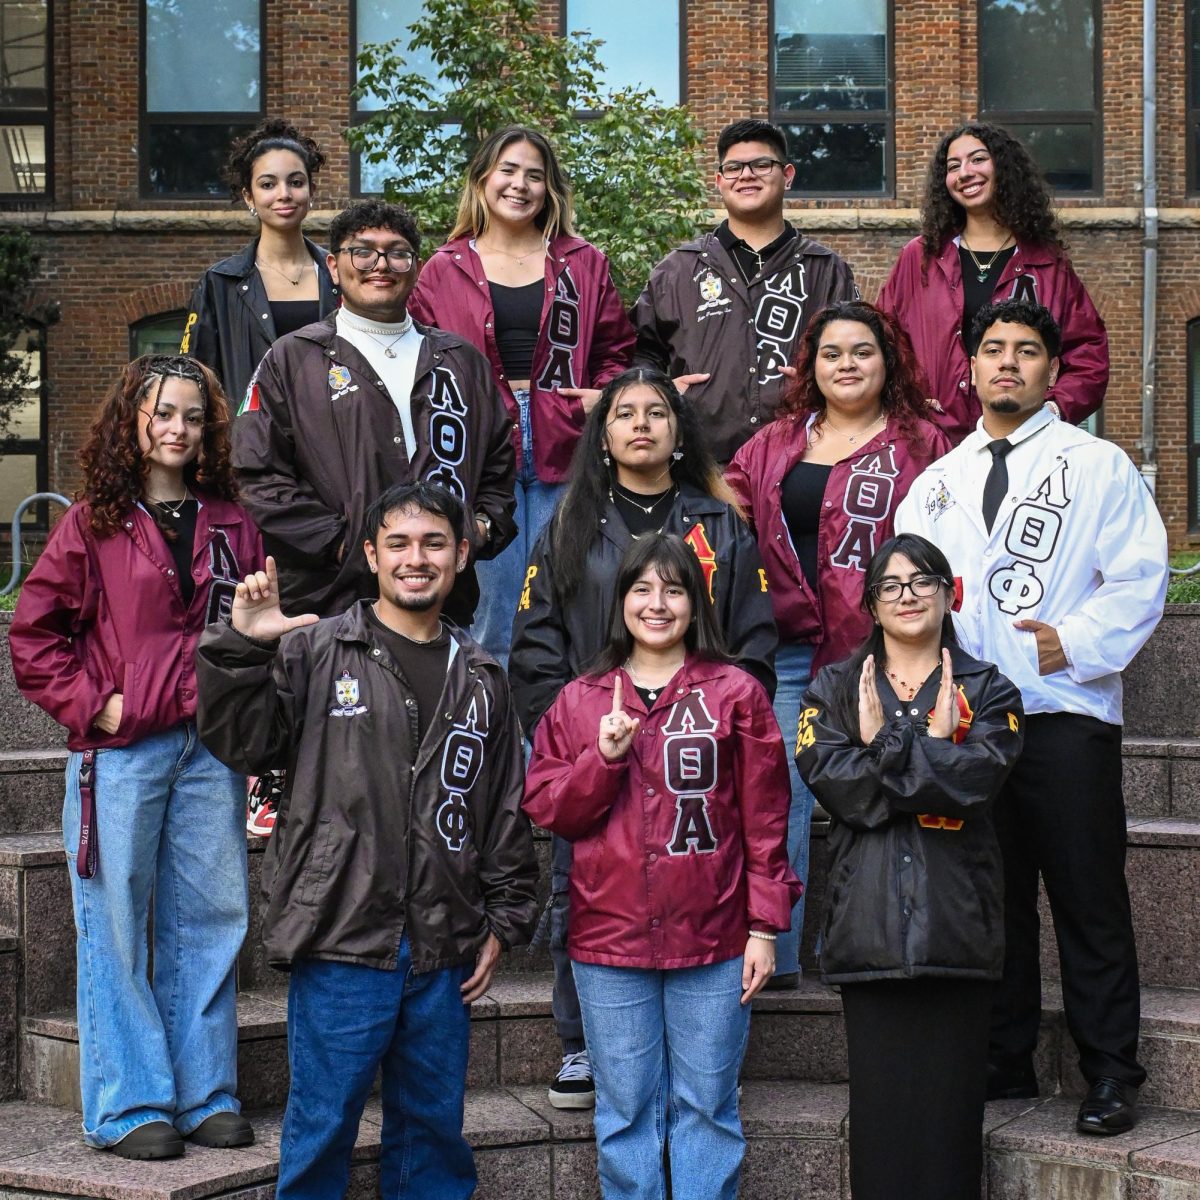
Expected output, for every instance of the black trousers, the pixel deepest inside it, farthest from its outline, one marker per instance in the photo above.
(1062, 813)
(918, 1056)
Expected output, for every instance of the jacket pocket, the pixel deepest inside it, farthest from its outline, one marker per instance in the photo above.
(319, 858)
(135, 721)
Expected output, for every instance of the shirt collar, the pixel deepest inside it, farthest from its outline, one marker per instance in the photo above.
(1034, 424)
(731, 241)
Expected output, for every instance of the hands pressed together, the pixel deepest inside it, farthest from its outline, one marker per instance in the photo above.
(943, 719)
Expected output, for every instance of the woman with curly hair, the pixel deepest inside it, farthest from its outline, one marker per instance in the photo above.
(642, 466)
(515, 281)
(104, 639)
(820, 486)
(988, 233)
(277, 283)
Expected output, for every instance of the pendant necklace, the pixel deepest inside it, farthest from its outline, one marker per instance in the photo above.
(911, 689)
(260, 263)
(646, 508)
(651, 693)
(174, 507)
(984, 269)
(388, 352)
(852, 438)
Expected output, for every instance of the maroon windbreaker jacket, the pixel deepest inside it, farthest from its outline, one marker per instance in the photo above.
(929, 304)
(861, 498)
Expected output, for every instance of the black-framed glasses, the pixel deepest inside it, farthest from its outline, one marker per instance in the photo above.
(366, 258)
(890, 590)
(760, 167)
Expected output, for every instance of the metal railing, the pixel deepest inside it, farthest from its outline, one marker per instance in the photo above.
(36, 498)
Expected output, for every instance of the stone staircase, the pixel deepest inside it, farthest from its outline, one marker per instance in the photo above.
(795, 1098)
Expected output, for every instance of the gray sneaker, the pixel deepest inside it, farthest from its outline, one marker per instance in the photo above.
(573, 1086)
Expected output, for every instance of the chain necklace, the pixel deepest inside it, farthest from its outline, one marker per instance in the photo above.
(911, 689)
(260, 263)
(388, 352)
(646, 508)
(174, 507)
(651, 693)
(852, 438)
(985, 269)
(519, 259)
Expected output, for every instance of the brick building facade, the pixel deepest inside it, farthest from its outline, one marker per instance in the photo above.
(117, 258)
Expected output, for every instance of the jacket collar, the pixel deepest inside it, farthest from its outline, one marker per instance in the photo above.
(693, 673)
(324, 333)
(1029, 254)
(354, 625)
(241, 264)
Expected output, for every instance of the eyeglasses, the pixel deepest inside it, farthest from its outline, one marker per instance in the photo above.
(760, 167)
(366, 258)
(890, 590)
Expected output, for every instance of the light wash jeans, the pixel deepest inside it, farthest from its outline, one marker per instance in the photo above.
(346, 1020)
(793, 673)
(501, 578)
(666, 1048)
(170, 824)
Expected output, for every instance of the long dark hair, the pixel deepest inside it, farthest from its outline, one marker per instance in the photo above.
(666, 554)
(576, 522)
(902, 398)
(929, 560)
(1022, 203)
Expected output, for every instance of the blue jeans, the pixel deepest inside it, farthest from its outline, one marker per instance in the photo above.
(793, 672)
(170, 824)
(344, 1022)
(666, 1048)
(501, 578)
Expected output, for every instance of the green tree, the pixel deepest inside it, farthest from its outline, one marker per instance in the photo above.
(632, 161)
(19, 261)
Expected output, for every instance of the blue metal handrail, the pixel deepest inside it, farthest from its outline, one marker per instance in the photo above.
(16, 533)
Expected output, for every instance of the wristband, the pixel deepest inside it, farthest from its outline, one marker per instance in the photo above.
(758, 933)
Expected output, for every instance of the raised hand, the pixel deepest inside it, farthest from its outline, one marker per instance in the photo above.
(944, 719)
(256, 611)
(870, 710)
(617, 730)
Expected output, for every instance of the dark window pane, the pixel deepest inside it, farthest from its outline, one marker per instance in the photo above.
(838, 158)
(185, 160)
(24, 80)
(203, 56)
(1064, 152)
(157, 335)
(22, 160)
(831, 54)
(1037, 55)
(641, 42)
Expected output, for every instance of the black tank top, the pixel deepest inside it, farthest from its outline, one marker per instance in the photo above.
(518, 315)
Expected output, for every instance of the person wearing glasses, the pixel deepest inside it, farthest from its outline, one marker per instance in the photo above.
(278, 282)
(722, 314)
(339, 411)
(541, 304)
(907, 744)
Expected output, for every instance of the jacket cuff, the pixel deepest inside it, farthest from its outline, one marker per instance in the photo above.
(769, 901)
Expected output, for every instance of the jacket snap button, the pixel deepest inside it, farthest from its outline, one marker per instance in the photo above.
(245, 287)
(409, 702)
(753, 420)
(264, 316)
(681, 691)
(447, 715)
(375, 652)
(654, 858)
(908, 858)
(914, 712)
(128, 524)
(654, 923)
(649, 791)
(962, 383)
(170, 572)
(899, 713)
(907, 912)
(397, 440)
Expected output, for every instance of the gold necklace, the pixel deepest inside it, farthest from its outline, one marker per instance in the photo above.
(911, 689)
(646, 508)
(852, 437)
(519, 259)
(174, 507)
(260, 263)
(991, 262)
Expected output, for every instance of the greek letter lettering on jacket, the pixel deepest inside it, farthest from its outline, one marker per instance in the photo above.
(377, 835)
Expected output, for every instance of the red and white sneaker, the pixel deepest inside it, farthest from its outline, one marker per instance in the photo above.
(262, 801)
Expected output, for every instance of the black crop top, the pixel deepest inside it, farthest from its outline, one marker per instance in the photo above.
(518, 314)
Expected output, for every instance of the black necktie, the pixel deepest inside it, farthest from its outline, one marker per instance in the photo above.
(997, 481)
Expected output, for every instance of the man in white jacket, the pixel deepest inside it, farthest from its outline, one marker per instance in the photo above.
(1063, 564)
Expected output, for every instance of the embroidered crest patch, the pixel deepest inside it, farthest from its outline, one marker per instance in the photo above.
(712, 302)
(346, 697)
(939, 501)
(339, 381)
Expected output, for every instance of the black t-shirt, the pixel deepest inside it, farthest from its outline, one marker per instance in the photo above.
(183, 543)
(290, 315)
(518, 316)
(423, 665)
(803, 494)
(637, 520)
(978, 292)
(750, 261)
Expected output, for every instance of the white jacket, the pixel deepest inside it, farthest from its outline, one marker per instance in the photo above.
(1077, 543)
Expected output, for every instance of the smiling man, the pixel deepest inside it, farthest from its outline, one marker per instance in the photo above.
(401, 864)
(340, 410)
(1063, 564)
(721, 315)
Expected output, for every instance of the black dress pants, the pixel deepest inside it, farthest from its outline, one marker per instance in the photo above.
(1062, 813)
(917, 1053)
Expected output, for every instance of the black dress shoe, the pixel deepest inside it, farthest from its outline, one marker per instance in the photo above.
(223, 1131)
(155, 1139)
(1011, 1083)
(1110, 1107)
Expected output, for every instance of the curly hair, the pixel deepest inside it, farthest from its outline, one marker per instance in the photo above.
(373, 214)
(273, 134)
(1022, 200)
(555, 216)
(576, 522)
(114, 467)
(903, 398)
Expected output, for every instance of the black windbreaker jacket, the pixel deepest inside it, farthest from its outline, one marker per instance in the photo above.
(552, 645)
(229, 325)
(916, 886)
